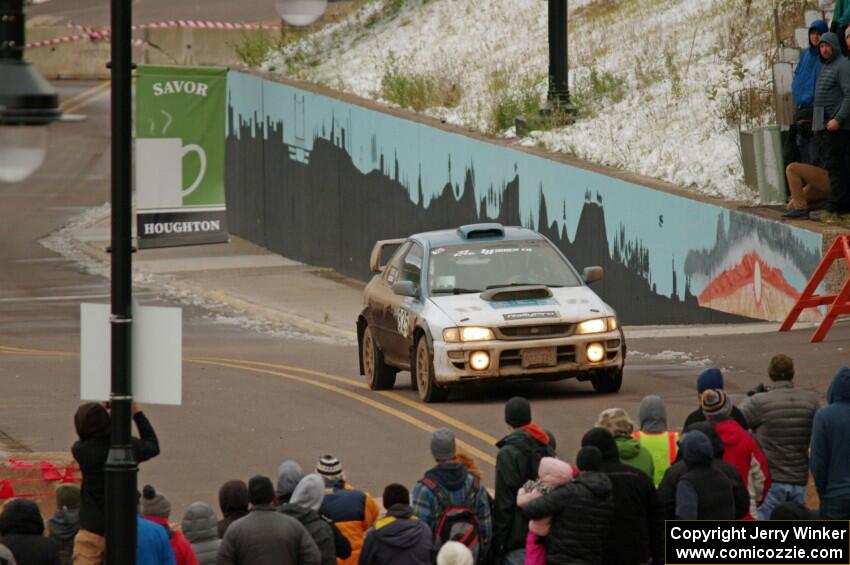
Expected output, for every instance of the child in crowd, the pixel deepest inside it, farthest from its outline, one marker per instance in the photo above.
(552, 474)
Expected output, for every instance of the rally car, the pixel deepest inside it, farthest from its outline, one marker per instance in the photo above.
(483, 303)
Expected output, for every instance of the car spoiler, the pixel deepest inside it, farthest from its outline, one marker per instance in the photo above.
(378, 251)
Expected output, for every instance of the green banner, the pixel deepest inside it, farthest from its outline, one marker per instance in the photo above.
(180, 113)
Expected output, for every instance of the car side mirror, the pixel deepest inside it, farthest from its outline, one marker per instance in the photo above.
(593, 274)
(406, 288)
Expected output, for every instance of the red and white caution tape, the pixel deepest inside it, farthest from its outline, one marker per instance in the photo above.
(104, 35)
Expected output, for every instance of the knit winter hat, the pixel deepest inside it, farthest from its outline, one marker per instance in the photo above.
(154, 504)
(710, 378)
(602, 439)
(396, 494)
(233, 497)
(616, 421)
(288, 474)
(443, 444)
(454, 553)
(517, 412)
(260, 490)
(715, 403)
(91, 418)
(589, 458)
(329, 468)
(781, 367)
(68, 496)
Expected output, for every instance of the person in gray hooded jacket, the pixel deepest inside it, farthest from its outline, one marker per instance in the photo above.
(304, 505)
(831, 119)
(289, 473)
(201, 529)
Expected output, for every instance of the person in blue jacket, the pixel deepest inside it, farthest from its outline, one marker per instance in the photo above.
(152, 546)
(830, 450)
(800, 147)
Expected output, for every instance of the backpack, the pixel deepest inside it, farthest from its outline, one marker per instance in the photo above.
(534, 457)
(456, 523)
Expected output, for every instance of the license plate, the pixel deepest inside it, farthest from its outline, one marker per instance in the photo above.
(541, 357)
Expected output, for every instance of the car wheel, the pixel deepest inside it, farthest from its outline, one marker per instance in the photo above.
(608, 382)
(380, 375)
(423, 368)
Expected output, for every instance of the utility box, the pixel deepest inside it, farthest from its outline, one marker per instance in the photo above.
(770, 168)
(783, 76)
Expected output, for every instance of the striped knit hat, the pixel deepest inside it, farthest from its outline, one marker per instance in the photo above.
(329, 468)
(715, 403)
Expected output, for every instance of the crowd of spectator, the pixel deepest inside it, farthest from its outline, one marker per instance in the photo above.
(817, 152)
(606, 506)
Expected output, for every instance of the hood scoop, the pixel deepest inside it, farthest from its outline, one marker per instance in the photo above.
(506, 294)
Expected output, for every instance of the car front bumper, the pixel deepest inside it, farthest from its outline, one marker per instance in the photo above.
(451, 360)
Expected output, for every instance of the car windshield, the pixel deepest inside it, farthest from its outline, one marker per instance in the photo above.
(475, 267)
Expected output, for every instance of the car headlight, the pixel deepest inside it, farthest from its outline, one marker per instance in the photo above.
(597, 325)
(469, 333)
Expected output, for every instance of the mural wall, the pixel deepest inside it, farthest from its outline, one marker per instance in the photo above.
(320, 180)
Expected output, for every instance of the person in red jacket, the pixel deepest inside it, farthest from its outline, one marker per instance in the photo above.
(740, 449)
(156, 508)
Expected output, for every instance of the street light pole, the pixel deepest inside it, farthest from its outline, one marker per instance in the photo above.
(121, 468)
(559, 89)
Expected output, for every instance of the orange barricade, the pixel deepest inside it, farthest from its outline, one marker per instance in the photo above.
(839, 304)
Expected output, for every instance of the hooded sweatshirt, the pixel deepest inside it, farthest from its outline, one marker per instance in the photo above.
(653, 435)
(830, 453)
(63, 527)
(304, 506)
(22, 529)
(806, 71)
(704, 492)
(289, 473)
(637, 529)
(519, 455)
(233, 501)
(200, 528)
(832, 91)
(633, 454)
(398, 538)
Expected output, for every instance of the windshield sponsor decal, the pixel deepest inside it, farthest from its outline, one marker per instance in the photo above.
(502, 304)
(530, 315)
(490, 251)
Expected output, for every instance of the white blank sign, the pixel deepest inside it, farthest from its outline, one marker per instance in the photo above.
(157, 364)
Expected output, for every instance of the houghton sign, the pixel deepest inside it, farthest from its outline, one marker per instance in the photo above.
(180, 155)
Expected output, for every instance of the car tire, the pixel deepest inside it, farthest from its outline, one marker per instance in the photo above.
(608, 382)
(379, 375)
(423, 374)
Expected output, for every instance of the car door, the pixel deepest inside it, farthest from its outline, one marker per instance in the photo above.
(381, 299)
(401, 316)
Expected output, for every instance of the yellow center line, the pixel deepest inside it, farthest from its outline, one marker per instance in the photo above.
(266, 368)
(354, 396)
(486, 438)
(90, 91)
(87, 101)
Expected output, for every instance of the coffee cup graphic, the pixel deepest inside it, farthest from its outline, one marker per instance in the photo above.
(159, 172)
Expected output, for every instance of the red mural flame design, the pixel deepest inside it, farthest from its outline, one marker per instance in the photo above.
(753, 288)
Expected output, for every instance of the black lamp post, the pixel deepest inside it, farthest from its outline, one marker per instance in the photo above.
(27, 102)
(121, 468)
(559, 88)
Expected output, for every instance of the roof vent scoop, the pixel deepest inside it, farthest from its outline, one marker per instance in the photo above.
(481, 231)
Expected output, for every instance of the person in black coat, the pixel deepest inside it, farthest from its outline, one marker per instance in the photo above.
(93, 421)
(398, 537)
(704, 492)
(667, 488)
(581, 510)
(22, 531)
(637, 530)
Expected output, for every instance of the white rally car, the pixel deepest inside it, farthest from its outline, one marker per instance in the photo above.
(484, 302)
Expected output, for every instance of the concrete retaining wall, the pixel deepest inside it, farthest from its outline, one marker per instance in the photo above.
(319, 177)
(82, 59)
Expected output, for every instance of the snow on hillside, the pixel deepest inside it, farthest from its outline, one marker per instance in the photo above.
(657, 81)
